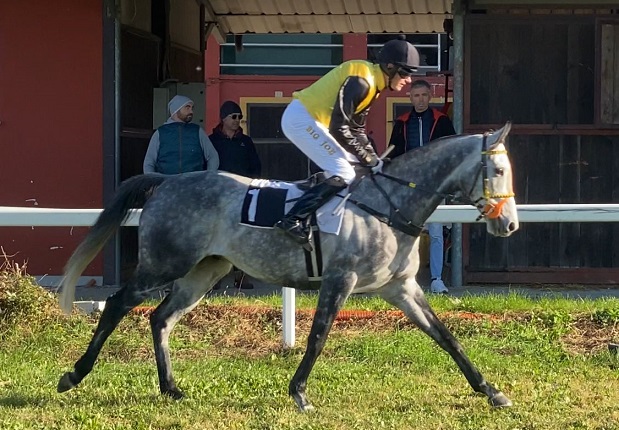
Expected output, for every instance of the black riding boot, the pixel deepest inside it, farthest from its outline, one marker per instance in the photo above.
(314, 198)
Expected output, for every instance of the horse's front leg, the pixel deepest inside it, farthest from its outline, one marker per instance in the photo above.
(185, 295)
(334, 291)
(408, 296)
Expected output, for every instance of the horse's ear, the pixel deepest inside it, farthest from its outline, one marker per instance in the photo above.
(506, 129)
(502, 133)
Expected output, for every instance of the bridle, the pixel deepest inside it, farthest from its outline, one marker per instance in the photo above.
(494, 202)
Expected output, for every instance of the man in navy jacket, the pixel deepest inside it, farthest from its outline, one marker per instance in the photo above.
(414, 129)
(237, 152)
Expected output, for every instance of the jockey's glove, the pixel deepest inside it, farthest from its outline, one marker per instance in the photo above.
(378, 167)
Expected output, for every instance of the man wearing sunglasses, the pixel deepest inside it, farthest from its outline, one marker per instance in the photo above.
(326, 121)
(237, 152)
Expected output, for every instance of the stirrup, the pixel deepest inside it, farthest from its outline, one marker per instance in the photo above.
(298, 233)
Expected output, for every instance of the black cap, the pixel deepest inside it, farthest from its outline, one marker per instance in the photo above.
(228, 107)
(399, 52)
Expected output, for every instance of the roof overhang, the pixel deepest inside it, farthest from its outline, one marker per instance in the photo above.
(568, 4)
(225, 17)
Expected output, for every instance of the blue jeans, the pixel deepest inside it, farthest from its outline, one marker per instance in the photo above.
(435, 232)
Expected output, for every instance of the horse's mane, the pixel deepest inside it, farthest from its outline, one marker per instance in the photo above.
(422, 155)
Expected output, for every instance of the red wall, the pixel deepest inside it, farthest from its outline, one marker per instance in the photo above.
(51, 121)
(231, 87)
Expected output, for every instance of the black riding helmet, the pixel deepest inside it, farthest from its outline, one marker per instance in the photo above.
(402, 54)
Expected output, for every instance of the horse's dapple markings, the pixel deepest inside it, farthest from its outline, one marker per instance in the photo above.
(190, 235)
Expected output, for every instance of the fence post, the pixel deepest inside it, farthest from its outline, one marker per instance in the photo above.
(288, 316)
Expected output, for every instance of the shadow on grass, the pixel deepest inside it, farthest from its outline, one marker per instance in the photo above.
(22, 401)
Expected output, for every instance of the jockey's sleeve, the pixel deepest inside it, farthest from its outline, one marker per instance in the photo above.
(347, 124)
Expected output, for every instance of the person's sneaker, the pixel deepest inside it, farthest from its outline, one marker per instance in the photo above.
(438, 286)
(244, 285)
(240, 280)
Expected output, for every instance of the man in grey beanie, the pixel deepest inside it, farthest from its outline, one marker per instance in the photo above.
(179, 146)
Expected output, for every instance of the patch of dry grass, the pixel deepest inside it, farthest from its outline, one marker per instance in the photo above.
(24, 304)
(255, 331)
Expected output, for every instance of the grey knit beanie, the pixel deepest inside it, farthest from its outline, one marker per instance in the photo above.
(177, 103)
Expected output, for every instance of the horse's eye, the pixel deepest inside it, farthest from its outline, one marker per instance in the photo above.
(498, 171)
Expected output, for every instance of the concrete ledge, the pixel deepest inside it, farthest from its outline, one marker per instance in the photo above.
(90, 306)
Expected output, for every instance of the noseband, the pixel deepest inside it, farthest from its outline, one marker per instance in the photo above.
(492, 207)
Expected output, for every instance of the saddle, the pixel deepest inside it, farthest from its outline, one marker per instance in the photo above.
(318, 177)
(311, 181)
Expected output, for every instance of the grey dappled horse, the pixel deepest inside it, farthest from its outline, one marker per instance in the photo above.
(189, 234)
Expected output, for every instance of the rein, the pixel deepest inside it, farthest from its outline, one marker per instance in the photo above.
(395, 219)
(491, 209)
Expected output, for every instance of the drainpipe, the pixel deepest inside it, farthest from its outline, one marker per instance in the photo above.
(458, 10)
(111, 128)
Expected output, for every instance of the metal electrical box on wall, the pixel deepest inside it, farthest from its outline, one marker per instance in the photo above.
(161, 97)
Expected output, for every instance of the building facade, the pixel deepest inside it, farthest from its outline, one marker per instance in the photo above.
(77, 112)
(264, 74)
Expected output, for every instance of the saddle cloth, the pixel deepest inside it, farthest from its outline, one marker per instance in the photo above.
(266, 202)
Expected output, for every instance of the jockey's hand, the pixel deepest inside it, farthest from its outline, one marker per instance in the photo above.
(370, 159)
(378, 167)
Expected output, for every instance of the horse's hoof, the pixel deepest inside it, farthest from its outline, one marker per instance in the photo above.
(500, 400)
(174, 393)
(302, 403)
(65, 383)
(307, 408)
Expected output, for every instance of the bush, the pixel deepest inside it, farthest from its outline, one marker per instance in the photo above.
(23, 303)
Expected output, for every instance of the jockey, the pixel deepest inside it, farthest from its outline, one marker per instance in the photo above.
(326, 121)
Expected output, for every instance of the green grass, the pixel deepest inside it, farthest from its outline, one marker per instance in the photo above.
(373, 374)
(487, 303)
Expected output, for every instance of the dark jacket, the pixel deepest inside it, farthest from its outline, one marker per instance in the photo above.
(237, 154)
(405, 134)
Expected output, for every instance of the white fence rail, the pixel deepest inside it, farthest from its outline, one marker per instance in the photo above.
(44, 217)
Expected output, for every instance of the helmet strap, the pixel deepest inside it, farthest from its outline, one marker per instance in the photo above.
(390, 72)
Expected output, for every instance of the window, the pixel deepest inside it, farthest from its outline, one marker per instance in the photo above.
(264, 121)
(279, 157)
(282, 54)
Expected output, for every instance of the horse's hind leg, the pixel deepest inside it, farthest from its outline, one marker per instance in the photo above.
(116, 307)
(409, 297)
(185, 295)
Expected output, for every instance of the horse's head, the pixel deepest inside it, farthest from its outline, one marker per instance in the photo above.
(492, 192)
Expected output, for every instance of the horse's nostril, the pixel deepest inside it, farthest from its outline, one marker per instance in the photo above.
(511, 226)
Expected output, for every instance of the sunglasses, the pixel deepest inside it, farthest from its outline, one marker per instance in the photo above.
(236, 116)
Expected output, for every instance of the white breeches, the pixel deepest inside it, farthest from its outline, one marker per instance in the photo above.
(315, 141)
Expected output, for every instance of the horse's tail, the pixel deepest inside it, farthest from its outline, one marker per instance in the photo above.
(133, 193)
